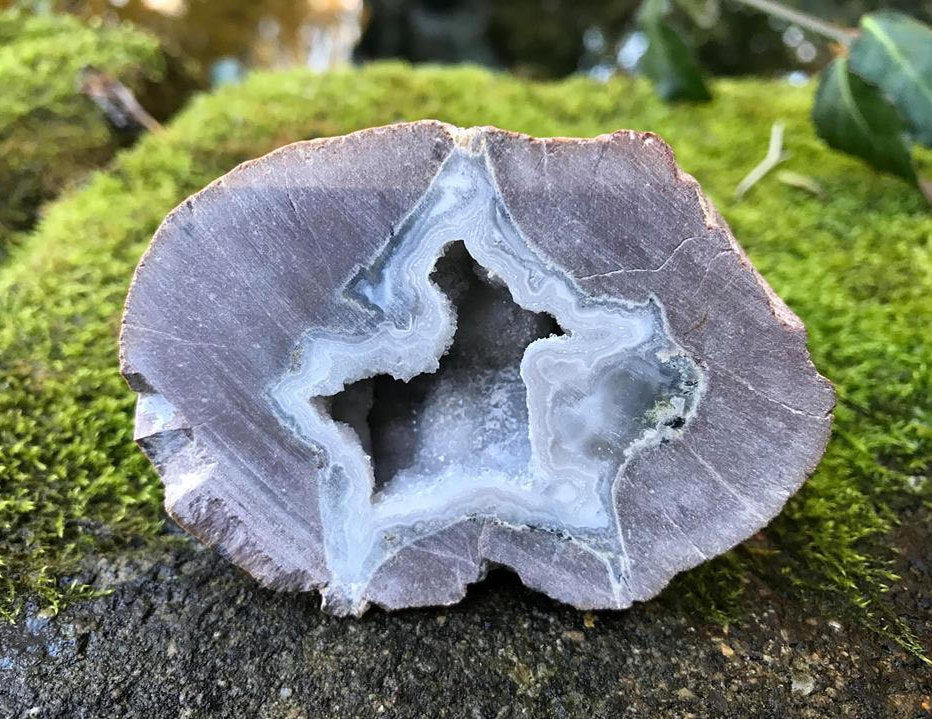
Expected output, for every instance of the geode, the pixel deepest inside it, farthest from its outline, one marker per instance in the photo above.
(377, 365)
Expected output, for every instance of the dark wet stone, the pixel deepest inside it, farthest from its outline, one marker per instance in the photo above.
(183, 635)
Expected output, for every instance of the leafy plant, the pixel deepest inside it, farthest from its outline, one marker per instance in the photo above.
(874, 99)
(894, 53)
(668, 61)
(853, 116)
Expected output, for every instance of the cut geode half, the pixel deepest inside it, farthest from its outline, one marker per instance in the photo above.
(378, 364)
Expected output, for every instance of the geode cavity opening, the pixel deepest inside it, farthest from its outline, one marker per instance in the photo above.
(376, 364)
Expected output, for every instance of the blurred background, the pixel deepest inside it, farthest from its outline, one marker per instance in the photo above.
(532, 38)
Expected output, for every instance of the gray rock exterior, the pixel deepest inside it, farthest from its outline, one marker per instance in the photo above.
(252, 282)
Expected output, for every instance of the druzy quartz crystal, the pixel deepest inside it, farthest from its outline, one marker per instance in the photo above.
(377, 365)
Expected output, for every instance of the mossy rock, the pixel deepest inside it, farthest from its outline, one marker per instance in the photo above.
(50, 134)
(854, 262)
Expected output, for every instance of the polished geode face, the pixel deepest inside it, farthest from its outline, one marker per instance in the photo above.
(379, 364)
(465, 377)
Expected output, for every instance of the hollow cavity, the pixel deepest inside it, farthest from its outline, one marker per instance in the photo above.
(473, 410)
(514, 422)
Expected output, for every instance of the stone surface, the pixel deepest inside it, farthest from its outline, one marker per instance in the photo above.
(379, 364)
(183, 635)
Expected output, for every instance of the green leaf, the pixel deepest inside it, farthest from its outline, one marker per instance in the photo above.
(852, 116)
(705, 13)
(668, 62)
(894, 52)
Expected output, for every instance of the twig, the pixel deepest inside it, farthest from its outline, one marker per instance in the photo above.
(774, 157)
(925, 185)
(116, 100)
(829, 30)
(801, 182)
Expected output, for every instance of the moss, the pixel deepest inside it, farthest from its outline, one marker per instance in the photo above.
(855, 265)
(50, 134)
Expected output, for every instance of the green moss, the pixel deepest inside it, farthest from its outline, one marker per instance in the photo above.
(50, 134)
(855, 264)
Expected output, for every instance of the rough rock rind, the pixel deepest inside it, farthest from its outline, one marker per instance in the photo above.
(236, 275)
